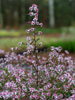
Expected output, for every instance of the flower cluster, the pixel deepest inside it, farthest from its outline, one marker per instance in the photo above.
(34, 22)
(34, 8)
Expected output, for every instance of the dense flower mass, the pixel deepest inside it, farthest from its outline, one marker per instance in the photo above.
(56, 77)
(33, 77)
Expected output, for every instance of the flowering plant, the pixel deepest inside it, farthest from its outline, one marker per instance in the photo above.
(33, 77)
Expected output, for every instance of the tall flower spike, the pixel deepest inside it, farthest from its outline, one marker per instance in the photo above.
(34, 12)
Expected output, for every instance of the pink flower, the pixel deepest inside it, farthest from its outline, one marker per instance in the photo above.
(41, 24)
(27, 31)
(12, 49)
(36, 51)
(32, 96)
(31, 8)
(36, 9)
(32, 29)
(35, 14)
(52, 48)
(1, 51)
(48, 94)
(32, 23)
(16, 48)
(28, 48)
(61, 95)
(34, 5)
(47, 73)
(40, 32)
(31, 13)
(66, 52)
(32, 89)
(35, 18)
(37, 97)
(43, 93)
(20, 43)
(28, 39)
(28, 52)
(37, 23)
(40, 43)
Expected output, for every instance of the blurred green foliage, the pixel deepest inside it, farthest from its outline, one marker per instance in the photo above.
(67, 43)
(13, 33)
(21, 32)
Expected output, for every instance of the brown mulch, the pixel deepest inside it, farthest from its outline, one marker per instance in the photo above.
(72, 55)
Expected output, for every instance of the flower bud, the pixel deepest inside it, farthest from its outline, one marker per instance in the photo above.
(41, 24)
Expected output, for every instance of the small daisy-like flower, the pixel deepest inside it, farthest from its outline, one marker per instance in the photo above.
(20, 43)
(32, 23)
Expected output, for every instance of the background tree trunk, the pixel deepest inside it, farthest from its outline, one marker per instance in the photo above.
(16, 19)
(51, 13)
(73, 12)
(1, 18)
(23, 13)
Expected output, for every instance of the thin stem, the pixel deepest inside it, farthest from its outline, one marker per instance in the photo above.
(36, 55)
